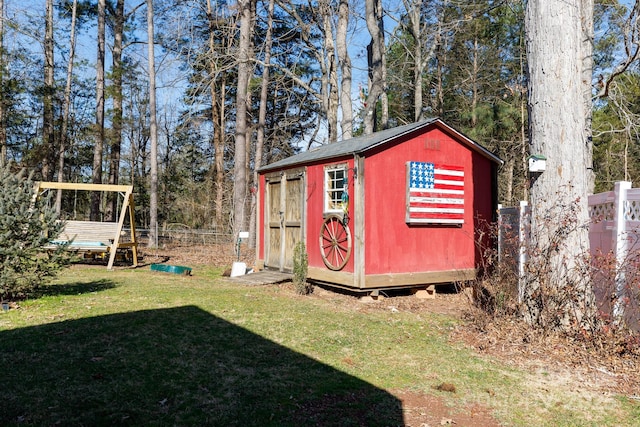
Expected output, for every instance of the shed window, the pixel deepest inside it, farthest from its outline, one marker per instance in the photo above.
(334, 186)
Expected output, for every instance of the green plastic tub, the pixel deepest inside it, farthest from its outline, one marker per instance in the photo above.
(175, 269)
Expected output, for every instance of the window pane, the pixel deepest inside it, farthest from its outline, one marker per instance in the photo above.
(334, 188)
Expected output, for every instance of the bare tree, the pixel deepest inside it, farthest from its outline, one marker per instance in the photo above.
(116, 136)
(376, 59)
(245, 8)
(330, 92)
(262, 118)
(64, 138)
(559, 37)
(153, 130)
(630, 38)
(319, 25)
(48, 139)
(619, 21)
(219, 62)
(417, 29)
(96, 176)
(429, 27)
(344, 63)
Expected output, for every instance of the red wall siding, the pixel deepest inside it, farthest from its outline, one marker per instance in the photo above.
(392, 246)
(315, 208)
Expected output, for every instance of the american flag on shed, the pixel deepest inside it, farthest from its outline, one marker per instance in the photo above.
(435, 194)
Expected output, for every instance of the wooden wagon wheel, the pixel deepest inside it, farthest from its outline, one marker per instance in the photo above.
(335, 242)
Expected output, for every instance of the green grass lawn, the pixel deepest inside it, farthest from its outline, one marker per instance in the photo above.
(134, 347)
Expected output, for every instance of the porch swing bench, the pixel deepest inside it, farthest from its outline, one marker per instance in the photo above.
(91, 236)
(95, 238)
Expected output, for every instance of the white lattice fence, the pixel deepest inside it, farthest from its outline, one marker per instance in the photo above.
(614, 238)
(615, 221)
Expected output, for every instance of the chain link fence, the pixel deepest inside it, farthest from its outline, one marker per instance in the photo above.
(184, 236)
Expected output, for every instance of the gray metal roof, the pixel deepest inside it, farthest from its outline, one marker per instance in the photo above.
(364, 143)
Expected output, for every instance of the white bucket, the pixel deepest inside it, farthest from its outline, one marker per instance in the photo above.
(238, 269)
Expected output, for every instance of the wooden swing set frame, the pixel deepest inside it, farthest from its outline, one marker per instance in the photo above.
(94, 236)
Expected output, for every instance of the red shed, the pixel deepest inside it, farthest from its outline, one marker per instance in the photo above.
(395, 209)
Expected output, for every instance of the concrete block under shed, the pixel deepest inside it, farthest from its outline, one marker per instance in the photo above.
(425, 293)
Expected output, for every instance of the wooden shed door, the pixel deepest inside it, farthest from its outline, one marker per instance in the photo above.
(284, 222)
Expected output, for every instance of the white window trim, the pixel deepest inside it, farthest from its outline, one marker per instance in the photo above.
(326, 201)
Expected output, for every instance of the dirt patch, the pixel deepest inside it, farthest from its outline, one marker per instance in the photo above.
(366, 408)
(422, 410)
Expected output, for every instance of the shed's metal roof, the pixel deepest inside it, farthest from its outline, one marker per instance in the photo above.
(364, 143)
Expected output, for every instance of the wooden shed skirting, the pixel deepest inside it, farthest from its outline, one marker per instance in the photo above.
(391, 280)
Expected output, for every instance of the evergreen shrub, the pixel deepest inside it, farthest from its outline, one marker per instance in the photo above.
(27, 225)
(300, 268)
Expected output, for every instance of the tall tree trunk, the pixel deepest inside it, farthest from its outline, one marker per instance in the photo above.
(422, 51)
(414, 10)
(327, 95)
(219, 143)
(524, 140)
(153, 131)
(3, 125)
(242, 128)
(559, 36)
(48, 138)
(377, 69)
(116, 137)
(441, 66)
(217, 91)
(64, 138)
(474, 79)
(99, 131)
(344, 62)
(508, 178)
(331, 69)
(262, 119)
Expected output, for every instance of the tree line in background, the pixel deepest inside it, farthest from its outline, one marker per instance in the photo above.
(241, 84)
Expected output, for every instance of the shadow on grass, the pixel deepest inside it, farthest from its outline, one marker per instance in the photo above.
(75, 288)
(179, 366)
